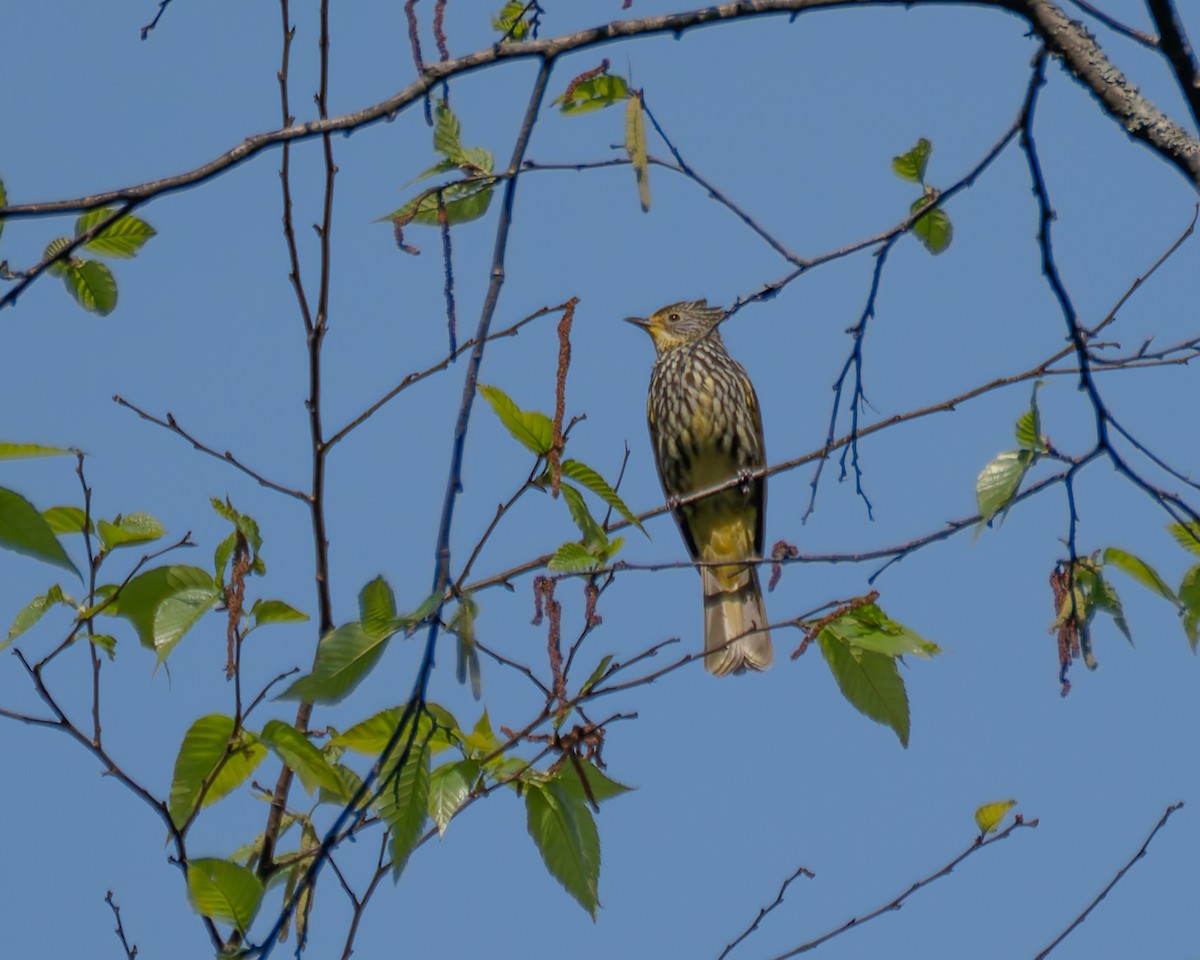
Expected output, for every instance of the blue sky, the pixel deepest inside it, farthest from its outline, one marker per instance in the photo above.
(738, 782)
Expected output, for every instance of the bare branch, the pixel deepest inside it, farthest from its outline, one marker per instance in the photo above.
(1066, 38)
(1112, 883)
(1138, 36)
(131, 952)
(800, 872)
(1174, 45)
(171, 424)
(898, 901)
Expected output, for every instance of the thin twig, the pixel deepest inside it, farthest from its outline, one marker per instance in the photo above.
(898, 901)
(1174, 46)
(171, 424)
(413, 378)
(762, 913)
(1138, 36)
(131, 951)
(1112, 883)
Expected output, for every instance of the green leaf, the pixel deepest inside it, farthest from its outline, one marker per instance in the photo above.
(1029, 426)
(869, 628)
(934, 228)
(403, 803)
(66, 520)
(870, 681)
(372, 735)
(573, 557)
(635, 146)
(1189, 596)
(351, 782)
(593, 534)
(582, 473)
(123, 238)
(561, 825)
(245, 526)
(207, 755)
(25, 530)
(127, 530)
(106, 643)
(599, 786)
(463, 201)
(344, 657)
(911, 165)
(462, 626)
(1102, 596)
(531, 428)
(449, 786)
(1187, 535)
(999, 481)
(275, 611)
(447, 133)
(26, 451)
(224, 891)
(301, 756)
(92, 284)
(1141, 571)
(33, 611)
(53, 248)
(509, 20)
(594, 93)
(482, 740)
(596, 675)
(377, 608)
(165, 603)
(989, 816)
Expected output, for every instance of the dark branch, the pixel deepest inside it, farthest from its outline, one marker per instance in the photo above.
(1112, 883)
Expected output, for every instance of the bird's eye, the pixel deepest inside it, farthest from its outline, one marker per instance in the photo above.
(674, 318)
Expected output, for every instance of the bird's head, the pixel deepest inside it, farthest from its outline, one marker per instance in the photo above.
(679, 323)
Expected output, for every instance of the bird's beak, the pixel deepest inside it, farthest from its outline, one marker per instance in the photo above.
(638, 322)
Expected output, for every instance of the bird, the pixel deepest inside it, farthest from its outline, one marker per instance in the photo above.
(706, 429)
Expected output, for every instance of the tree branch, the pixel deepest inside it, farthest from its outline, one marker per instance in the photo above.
(1066, 38)
(1112, 883)
(1174, 45)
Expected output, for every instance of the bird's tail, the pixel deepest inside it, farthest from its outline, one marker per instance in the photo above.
(734, 618)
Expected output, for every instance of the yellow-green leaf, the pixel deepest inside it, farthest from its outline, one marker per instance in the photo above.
(989, 816)
(123, 238)
(224, 891)
(635, 145)
(92, 284)
(1186, 535)
(934, 228)
(449, 786)
(573, 557)
(531, 428)
(999, 481)
(1141, 571)
(582, 473)
(164, 603)
(22, 451)
(911, 165)
(594, 94)
(130, 529)
(344, 657)
(210, 754)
